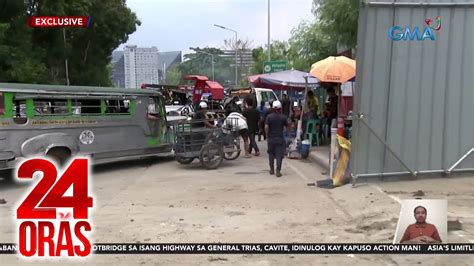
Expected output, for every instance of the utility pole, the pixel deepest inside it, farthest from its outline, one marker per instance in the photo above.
(268, 41)
(67, 71)
(222, 27)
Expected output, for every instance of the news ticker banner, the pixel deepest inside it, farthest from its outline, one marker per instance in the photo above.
(267, 248)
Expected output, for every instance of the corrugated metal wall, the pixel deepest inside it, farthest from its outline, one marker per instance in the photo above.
(418, 96)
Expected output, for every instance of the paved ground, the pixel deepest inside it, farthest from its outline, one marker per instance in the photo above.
(158, 200)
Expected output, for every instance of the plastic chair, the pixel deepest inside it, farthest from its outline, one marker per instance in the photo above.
(325, 129)
(311, 133)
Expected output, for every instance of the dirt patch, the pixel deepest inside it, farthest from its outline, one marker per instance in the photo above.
(232, 214)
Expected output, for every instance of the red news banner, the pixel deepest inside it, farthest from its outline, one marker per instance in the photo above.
(59, 21)
(46, 226)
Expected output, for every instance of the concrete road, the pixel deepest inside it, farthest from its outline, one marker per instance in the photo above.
(158, 200)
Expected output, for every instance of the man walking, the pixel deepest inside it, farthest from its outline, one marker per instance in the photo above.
(262, 110)
(253, 117)
(285, 105)
(275, 124)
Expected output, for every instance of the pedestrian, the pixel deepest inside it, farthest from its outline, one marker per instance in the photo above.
(285, 105)
(295, 115)
(262, 111)
(253, 119)
(275, 124)
(238, 122)
(199, 117)
(331, 107)
(311, 105)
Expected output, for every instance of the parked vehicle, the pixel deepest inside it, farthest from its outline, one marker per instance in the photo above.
(260, 94)
(108, 124)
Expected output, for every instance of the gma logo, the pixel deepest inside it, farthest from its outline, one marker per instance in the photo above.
(399, 33)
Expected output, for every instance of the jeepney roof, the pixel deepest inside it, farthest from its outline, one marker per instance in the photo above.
(61, 89)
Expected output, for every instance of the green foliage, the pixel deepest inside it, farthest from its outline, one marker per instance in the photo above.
(308, 44)
(279, 50)
(20, 59)
(174, 76)
(259, 56)
(38, 55)
(338, 19)
(335, 23)
(199, 63)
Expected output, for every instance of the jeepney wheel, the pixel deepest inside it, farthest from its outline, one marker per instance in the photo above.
(59, 155)
(183, 160)
(234, 154)
(211, 156)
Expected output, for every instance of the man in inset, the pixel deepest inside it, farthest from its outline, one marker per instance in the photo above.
(420, 232)
(275, 124)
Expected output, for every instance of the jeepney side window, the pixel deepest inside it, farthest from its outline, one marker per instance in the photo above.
(50, 107)
(2, 104)
(19, 112)
(19, 108)
(117, 107)
(86, 107)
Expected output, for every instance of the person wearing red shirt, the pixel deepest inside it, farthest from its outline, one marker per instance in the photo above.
(421, 232)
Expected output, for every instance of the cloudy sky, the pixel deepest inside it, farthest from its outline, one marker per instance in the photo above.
(173, 25)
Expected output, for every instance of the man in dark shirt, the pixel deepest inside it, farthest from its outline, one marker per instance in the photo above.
(253, 117)
(332, 108)
(275, 124)
(253, 97)
(285, 105)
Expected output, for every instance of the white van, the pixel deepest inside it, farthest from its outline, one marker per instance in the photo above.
(266, 95)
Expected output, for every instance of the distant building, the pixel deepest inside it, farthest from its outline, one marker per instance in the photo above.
(141, 65)
(135, 65)
(167, 60)
(118, 69)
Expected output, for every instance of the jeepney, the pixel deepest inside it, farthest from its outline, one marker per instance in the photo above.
(107, 124)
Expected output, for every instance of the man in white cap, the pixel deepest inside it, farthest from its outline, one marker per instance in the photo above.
(275, 124)
(200, 117)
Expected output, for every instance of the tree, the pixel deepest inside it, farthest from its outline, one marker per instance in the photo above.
(174, 75)
(241, 45)
(279, 50)
(309, 44)
(38, 55)
(338, 19)
(199, 63)
(21, 60)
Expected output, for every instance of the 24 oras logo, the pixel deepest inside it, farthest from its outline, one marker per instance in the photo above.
(47, 228)
(399, 33)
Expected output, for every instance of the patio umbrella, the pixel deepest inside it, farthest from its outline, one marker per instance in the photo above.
(338, 69)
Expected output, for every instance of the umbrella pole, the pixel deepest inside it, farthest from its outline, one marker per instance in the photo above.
(304, 102)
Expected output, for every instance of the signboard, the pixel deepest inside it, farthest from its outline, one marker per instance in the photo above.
(274, 66)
